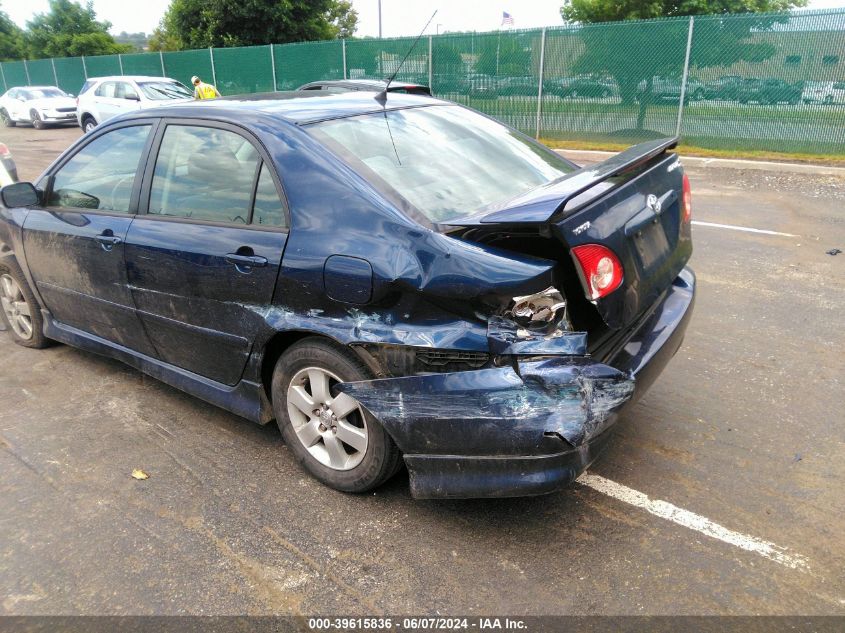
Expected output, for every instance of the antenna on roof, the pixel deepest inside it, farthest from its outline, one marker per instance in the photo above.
(382, 96)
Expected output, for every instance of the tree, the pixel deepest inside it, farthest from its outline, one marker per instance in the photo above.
(162, 39)
(11, 39)
(634, 54)
(69, 29)
(343, 18)
(138, 41)
(507, 55)
(587, 11)
(203, 23)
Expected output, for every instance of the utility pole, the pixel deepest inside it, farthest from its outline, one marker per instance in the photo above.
(379, 19)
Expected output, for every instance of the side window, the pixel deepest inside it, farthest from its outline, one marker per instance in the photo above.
(268, 209)
(101, 175)
(106, 89)
(205, 174)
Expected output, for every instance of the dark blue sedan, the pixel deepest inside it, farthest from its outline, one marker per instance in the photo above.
(393, 282)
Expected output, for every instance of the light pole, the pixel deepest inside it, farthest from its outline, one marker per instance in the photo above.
(379, 19)
(438, 28)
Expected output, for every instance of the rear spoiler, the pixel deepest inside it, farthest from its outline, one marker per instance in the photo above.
(541, 204)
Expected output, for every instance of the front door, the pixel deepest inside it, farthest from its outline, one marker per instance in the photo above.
(74, 244)
(203, 261)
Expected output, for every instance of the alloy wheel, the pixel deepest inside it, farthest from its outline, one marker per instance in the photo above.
(15, 306)
(333, 430)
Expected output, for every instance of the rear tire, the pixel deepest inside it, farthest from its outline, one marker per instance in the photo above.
(20, 311)
(88, 123)
(7, 122)
(316, 425)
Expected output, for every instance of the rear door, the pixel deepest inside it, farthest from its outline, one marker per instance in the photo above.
(74, 245)
(105, 101)
(203, 260)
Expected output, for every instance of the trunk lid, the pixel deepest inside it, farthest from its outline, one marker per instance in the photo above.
(630, 203)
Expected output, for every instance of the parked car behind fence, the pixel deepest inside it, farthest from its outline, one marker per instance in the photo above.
(827, 92)
(769, 91)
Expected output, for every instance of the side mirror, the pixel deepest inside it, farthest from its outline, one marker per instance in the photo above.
(19, 194)
(132, 97)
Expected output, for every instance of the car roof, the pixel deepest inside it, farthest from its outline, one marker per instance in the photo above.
(376, 84)
(294, 107)
(131, 77)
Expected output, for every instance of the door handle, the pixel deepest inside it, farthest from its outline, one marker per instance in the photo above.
(252, 261)
(108, 239)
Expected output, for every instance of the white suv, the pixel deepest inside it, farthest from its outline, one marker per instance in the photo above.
(104, 97)
(824, 92)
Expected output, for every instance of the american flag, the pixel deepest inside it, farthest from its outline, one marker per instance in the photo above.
(507, 19)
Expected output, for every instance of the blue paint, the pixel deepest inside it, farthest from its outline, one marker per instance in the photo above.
(196, 304)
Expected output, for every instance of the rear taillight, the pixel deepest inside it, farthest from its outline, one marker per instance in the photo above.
(4, 151)
(686, 201)
(600, 268)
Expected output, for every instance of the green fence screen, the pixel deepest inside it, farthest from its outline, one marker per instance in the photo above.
(239, 70)
(142, 64)
(750, 82)
(70, 73)
(297, 64)
(183, 65)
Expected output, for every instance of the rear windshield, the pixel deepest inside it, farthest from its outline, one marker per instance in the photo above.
(157, 90)
(443, 162)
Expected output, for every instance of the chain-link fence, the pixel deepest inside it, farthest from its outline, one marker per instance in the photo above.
(749, 82)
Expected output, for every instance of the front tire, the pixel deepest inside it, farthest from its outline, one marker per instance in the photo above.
(20, 311)
(37, 123)
(88, 123)
(333, 438)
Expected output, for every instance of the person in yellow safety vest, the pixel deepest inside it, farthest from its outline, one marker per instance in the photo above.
(203, 90)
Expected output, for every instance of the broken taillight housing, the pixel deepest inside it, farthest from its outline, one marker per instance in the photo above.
(686, 201)
(601, 270)
(540, 308)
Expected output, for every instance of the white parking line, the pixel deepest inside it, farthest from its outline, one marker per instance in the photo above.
(742, 228)
(692, 521)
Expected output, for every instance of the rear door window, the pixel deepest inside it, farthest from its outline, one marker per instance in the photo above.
(268, 209)
(101, 176)
(107, 89)
(204, 173)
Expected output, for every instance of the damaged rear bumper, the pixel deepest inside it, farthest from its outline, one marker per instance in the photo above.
(523, 429)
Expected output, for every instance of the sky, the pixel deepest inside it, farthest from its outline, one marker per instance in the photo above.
(399, 17)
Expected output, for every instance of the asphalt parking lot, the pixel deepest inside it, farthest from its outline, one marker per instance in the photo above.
(720, 493)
